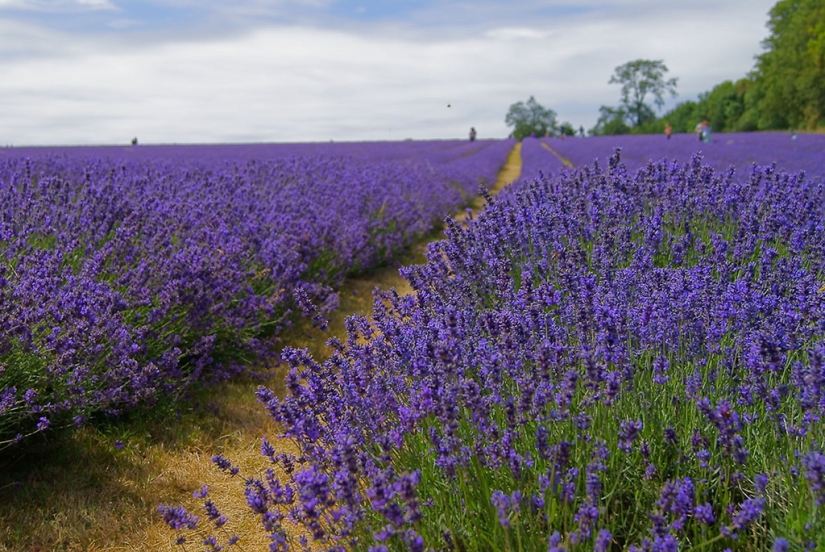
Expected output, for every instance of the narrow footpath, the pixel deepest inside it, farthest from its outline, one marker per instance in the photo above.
(101, 491)
(564, 161)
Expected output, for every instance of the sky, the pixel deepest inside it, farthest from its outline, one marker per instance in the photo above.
(97, 72)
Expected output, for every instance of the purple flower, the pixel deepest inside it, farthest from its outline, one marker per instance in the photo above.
(813, 464)
(704, 514)
(628, 432)
(214, 514)
(505, 505)
(780, 545)
(257, 496)
(603, 540)
(760, 482)
(225, 465)
(177, 517)
(748, 512)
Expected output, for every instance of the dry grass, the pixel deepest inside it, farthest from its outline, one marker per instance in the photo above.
(79, 491)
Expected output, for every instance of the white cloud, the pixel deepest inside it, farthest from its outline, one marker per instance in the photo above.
(288, 83)
(56, 5)
(516, 33)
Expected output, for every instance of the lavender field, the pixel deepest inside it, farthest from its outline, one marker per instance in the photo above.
(791, 152)
(131, 274)
(625, 355)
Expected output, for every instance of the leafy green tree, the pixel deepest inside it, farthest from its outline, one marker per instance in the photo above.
(530, 118)
(682, 118)
(790, 75)
(639, 79)
(611, 121)
(566, 129)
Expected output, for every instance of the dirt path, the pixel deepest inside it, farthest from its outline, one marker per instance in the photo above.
(565, 161)
(98, 490)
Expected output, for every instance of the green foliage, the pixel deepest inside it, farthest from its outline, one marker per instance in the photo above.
(611, 122)
(786, 89)
(728, 107)
(639, 79)
(530, 118)
(791, 73)
(566, 129)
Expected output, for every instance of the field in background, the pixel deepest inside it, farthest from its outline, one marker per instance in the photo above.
(524, 365)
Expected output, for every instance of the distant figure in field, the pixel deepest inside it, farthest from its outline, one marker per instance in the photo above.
(704, 133)
(472, 134)
(703, 130)
(668, 130)
(581, 131)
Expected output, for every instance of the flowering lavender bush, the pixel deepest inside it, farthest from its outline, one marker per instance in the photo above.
(130, 276)
(536, 159)
(601, 360)
(792, 152)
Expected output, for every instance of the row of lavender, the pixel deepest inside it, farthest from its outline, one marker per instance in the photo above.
(791, 152)
(602, 360)
(128, 275)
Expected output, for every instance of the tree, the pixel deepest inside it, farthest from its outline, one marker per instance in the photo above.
(530, 118)
(566, 129)
(611, 122)
(640, 78)
(790, 75)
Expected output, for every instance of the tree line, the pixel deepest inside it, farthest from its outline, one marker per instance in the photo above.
(784, 90)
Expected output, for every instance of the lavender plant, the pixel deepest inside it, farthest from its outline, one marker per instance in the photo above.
(602, 360)
(792, 152)
(129, 277)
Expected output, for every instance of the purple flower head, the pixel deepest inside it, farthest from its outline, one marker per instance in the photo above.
(586, 517)
(813, 465)
(665, 543)
(225, 465)
(704, 514)
(660, 368)
(603, 540)
(43, 424)
(628, 432)
(267, 449)
(748, 512)
(178, 517)
(781, 545)
(414, 541)
(214, 514)
(257, 496)
(760, 483)
(505, 505)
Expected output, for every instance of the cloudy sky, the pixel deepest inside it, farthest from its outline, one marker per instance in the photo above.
(205, 71)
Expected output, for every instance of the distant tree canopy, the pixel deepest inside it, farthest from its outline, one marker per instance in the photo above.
(566, 129)
(785, 89)
(530, 118)
(790, 74)
(611, 121)
(640, 78)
